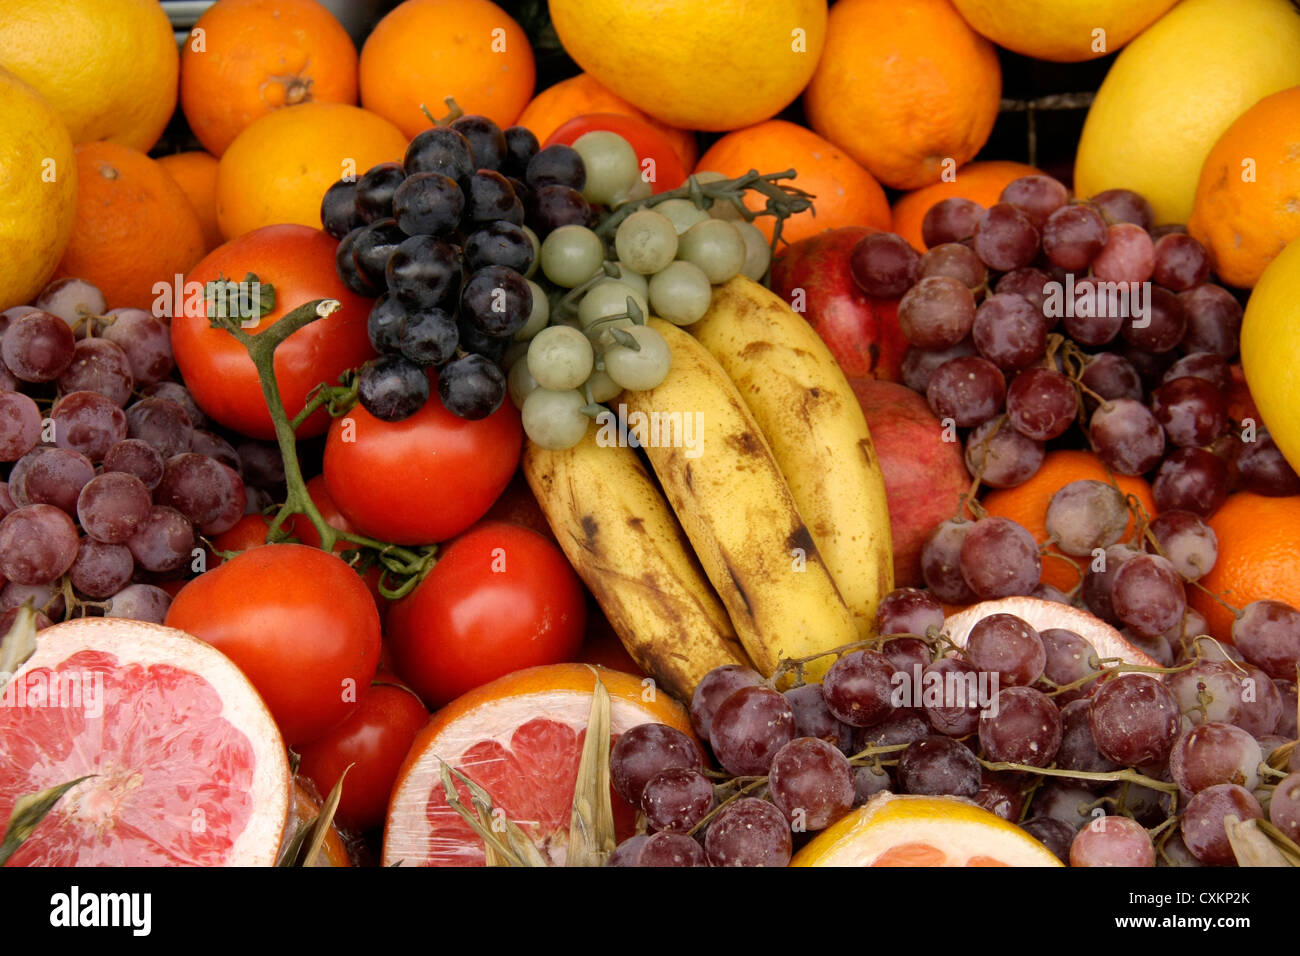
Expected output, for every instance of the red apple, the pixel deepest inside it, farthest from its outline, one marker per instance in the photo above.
(861, 332)
(925, 476)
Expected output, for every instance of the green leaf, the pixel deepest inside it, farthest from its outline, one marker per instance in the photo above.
(27, 814)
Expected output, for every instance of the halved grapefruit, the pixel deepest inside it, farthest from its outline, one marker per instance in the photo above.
(1041, 615)
(923, 831)
(520, 738)
(189, 768)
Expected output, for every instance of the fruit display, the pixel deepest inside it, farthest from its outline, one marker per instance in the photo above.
(682, 434)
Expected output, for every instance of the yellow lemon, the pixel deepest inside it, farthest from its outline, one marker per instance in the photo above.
(108, 67)
(697, 64)
(1173, 91)
(1270, 350)
(1062, 30)
(38, 191)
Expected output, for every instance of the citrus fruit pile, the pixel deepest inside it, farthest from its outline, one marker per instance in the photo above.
(701, 433)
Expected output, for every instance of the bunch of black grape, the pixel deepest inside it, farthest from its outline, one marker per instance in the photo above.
(110, 475)
(446, 242)
(1020, 323)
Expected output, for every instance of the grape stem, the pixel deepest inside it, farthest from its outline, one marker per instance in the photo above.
(1114, 776)
(783, 200)
(411, 565)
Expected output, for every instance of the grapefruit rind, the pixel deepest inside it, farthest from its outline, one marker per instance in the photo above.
(137, 642)
(494, 712)
(1041, 615)
(948, 828)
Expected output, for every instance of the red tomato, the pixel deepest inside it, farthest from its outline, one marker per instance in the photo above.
(300, 527)
(424, 479)
(298, 622)
(667, 171)
(500, 598)
(248, 532)
(299, 263)
(375, 739)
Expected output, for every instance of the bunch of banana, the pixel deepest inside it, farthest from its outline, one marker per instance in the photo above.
(776, 544)
(621, 537)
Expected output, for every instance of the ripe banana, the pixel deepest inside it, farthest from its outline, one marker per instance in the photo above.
(621, 537)
(818, 435)
(719, 475)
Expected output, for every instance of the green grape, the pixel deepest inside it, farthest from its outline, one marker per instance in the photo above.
(646, 241)
(641, 190)
(611, 165)
(537, 252)
(680, 293)
(520, 382)
(603, 388)
(639, 369)
(758, 253)
(602, 336)
(635, 279)
(606, 299)
(721, 208)
(560, 358)
(540, 315)
(555, 420)
(682, 213)
(716, 246)
(571, 255)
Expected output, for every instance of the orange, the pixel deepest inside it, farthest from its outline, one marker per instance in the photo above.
(923, 831)
(108, 67)
(277, 170)
(426, 50)
(519, 737)
(245, 58)
(135, 227)
(846, 194)
(907, 90)
(1247, 205)
(38, 201)
(1041, 615)
(196, 173)
(1257, 558)
(1027, 504)
(697, 64)
(980, 182)
(583, 94)
(303, 810)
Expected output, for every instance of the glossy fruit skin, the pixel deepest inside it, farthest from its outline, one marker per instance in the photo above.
(645, 140)
(298, 622)
(423, 479)
(861, 332)
(499, 599)
(374, 739)
(299, 263)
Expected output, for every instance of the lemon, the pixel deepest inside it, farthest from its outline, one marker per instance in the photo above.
(1062, 30)
(108, 67)
(697, 64)
(38, 191)
(1173, 91)
(1270, 350)
(923, 831)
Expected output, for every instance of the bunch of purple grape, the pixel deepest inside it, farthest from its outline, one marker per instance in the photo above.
(446, 242)
(914, 716)
(1041, 310)
(111, 476)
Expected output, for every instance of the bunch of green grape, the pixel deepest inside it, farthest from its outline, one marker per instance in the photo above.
(587, 341)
